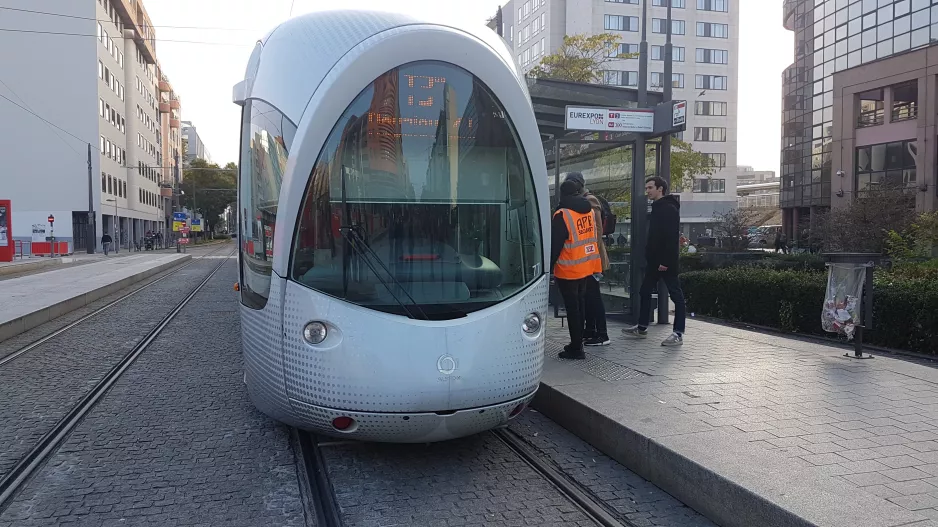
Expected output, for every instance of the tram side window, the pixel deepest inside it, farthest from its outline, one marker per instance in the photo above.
(266, 139)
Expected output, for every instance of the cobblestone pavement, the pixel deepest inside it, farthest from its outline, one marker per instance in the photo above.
(467, 482)
(175, 442)
(39, 387)
(871, 424)
(641, 503)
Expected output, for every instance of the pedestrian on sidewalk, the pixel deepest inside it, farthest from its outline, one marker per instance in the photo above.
(662, 254)
(106, 242)
(574, 259)
(595, 332)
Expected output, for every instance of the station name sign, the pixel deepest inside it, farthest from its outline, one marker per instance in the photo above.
(610, 119)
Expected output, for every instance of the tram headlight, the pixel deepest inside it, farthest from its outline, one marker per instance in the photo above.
(314, 332)
(531, 323)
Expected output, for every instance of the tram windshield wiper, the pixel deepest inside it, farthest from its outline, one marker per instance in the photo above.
(357, 242)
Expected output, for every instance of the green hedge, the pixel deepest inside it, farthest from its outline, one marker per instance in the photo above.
(905, 312)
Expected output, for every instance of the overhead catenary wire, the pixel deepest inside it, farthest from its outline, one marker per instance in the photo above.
(62, 33)
(27, 110)
(30, 109)
(109, 20)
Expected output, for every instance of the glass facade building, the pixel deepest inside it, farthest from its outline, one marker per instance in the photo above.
(832, 36)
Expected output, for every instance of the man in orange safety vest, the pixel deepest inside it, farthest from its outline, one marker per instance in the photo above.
(574, 259)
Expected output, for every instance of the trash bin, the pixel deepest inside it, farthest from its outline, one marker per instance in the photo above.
(848, 299)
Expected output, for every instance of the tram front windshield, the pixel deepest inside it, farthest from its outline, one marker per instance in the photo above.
(421, 201)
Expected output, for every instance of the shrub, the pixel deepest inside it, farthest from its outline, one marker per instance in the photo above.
(905, 312)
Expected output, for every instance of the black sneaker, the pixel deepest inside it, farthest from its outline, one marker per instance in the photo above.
(597, 341)
(570, 353)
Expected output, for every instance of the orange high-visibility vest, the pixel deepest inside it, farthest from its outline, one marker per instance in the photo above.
(580, 255)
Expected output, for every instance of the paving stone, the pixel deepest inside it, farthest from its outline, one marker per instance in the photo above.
(176, 441)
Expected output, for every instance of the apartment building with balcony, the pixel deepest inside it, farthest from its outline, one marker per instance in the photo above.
(170, 111)
(96, 90)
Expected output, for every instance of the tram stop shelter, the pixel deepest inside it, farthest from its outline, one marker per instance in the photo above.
(595, 129)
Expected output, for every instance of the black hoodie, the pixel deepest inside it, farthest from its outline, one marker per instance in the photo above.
(664, 234)
(558, 227)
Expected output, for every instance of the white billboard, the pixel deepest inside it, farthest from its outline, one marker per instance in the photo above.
(610, 119)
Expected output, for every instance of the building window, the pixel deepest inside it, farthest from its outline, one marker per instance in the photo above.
(717, 160)
(657, 80)
(623, 1)
(709, 186)
(677, 4)
(624, 49)
(712, 29)
(713, 5)
(872, 108)
(103, 182)
(710, 108)
(710, 82)
(657, 53)
(100, 70)
(621, 78)
(659, 25)
(710, 134)
(888, 164)
(905, 101)
(713, 56)
(620, 23)
(110, 185)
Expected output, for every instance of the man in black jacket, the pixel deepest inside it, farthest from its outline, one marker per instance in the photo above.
(662, 253)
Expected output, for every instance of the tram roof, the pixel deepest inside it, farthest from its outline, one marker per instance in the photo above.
(550, 98)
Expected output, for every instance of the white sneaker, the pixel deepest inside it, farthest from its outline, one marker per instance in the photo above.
(674, 340)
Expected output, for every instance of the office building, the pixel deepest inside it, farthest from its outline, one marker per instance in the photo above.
(833, 36)
(883, 116)
(705, 35)
(96, 88)
(192, 144)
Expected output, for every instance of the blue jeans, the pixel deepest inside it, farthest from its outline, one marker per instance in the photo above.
(650, 285)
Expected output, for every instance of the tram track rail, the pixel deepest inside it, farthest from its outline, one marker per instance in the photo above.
(323, 505)
(20, 474)
(42, 340)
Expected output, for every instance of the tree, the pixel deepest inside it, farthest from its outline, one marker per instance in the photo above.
(864, 225)
(580, 58)
(201, 176)
(733, 227)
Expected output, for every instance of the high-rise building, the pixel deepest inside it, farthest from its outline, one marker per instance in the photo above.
(833, 36)
(96, 88)
(705, 36)
(192, 144)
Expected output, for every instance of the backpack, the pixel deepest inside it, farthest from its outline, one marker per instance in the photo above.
(608, 218)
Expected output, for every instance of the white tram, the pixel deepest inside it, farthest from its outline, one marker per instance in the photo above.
(393, 202)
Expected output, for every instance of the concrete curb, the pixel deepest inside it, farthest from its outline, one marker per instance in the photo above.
(36, 318)
(29, 266)
(723, 477)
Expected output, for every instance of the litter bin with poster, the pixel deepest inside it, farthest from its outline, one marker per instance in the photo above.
(848, 298)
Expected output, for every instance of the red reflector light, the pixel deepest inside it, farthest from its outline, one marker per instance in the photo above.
(342, 423)
(421, 257)
(517, 410)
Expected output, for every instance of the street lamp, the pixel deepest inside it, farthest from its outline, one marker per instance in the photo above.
(117, 226)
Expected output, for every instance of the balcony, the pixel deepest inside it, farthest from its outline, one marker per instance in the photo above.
(164, 107)
(174, 123)
(143, 28)
(166, 86)
(174, 104)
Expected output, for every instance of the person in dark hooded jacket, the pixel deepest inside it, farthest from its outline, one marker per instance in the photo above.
(573, 290)
(662, 254)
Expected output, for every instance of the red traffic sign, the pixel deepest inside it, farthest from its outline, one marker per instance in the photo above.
(183, 241)
(51, 218)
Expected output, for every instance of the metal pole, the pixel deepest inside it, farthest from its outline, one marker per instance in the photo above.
(639, 201)
(176, 192)
(90, 234)
(664, 154)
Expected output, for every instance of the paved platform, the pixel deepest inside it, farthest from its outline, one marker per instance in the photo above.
(754, 429)
(29, 301)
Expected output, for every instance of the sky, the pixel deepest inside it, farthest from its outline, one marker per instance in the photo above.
(220, 35)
